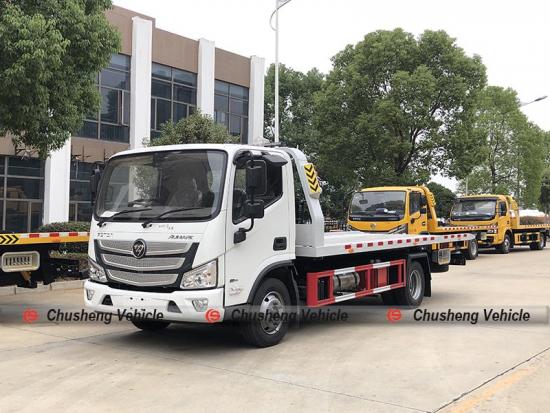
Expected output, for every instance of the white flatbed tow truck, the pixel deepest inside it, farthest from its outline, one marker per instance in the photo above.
(191, 232)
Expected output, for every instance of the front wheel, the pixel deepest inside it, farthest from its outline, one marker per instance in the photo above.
(412, 294)
(473, 251)
(506, 245)
(272, 302)
(149, 325)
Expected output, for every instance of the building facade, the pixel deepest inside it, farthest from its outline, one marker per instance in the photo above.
(157, 76)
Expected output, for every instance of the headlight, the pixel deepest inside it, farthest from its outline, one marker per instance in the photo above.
(205, 276)
(96, 272)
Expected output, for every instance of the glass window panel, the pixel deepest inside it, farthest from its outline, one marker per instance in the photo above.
(185, 94)
(80, 191)
(238, 107)
(115, 78)
(238, 91)
(109, 105)
(1, 213)
(25, 167)
(162, 72)
(180, 111)
(88, 130)
(72, 212)
(186, 78)
(126, 108)
(164, 112)
(161, 89)
(235, 125)
(25, 188)
(222, 117)
(17, 216)
(154, 134)
(114, 133)
(84, 212)
(36, 216)
(244, 134)
(221, 103)
(191, 110)
(153, 112)
(84, 171)
(221, 87)
(2, 168)
(120, 61)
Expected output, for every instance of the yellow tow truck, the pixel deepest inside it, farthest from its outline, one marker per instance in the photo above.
(502, 213)
(25, 258)
(409, 210)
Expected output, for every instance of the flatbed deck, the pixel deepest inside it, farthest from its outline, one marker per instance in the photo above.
(354, 242)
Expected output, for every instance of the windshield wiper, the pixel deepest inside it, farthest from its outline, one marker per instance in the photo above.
(103, 220)
(148, 221)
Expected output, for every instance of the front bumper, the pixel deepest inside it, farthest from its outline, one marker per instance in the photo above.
(140, 301)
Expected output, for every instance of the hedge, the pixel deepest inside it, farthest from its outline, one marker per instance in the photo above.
(73, 226)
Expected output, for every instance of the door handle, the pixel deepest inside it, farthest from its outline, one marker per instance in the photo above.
(279, 244)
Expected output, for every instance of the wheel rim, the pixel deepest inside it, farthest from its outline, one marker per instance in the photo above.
(541, 241)
(473, 248)
(415, 284)
(506, 243)
(272, 307)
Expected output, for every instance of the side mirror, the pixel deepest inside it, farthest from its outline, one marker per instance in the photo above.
(254, 209)
(94, 183)
(256, 177)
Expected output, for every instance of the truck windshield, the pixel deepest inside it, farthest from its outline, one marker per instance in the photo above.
(180, 185)
(378, 206)
(474, 209)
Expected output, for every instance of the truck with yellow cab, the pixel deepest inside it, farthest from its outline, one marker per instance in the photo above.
(409, 210)
(502, 213)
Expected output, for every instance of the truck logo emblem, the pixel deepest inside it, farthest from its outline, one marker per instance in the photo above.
(139, 249)
(372, 226)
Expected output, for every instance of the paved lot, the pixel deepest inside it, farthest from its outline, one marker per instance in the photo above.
(374, 367)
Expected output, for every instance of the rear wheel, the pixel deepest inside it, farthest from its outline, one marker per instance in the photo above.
(150, 325)
(540, 244)
(413, 292)
(473, 251)
(272, 301)
(506, 245)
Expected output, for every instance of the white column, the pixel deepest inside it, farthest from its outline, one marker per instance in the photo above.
(205, 77)
(140, 93)
(256, 101)
(57, 178)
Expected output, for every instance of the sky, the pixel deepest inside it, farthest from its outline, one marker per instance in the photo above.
(512, 37)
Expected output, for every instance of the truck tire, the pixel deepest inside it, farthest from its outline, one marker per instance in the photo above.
(271, 297)
(472, 251)
(506, 245)
(540, 244)
(150, 325)
(413, 292)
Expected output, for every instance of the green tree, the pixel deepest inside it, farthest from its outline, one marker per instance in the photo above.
(296, 105)
(196, 128)
(444, 199)
(395, 109)
(51, 52)
(544, 199)
(510, 146)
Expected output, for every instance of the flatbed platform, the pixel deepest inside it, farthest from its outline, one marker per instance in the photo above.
(355, 242)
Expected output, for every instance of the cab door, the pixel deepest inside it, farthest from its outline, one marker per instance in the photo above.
(503, 219)
(418, 217)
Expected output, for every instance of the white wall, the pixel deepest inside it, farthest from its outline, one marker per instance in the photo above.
(57, 177)
(205, 77)
(256, 101)
(140, 93)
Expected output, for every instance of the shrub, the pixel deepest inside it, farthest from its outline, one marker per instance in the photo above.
(73, 226)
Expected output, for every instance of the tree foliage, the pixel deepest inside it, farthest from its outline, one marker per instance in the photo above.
(396, 108)
(512, 149)
(296, 105)
(444, 199)
(544, 198)
(196, 128)
(51, 52)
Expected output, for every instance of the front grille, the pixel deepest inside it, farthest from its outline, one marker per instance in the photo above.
(153, 247)
(145, 279)
(144, 264)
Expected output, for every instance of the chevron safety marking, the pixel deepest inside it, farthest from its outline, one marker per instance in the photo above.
(8, 239)
(312, 181)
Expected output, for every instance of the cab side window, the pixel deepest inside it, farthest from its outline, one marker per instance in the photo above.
(414, 202)
(502, 209)
(273, 193)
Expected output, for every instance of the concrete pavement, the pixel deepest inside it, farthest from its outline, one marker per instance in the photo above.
(374, 367)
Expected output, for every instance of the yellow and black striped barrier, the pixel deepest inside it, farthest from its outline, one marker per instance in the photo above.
(312, 180)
